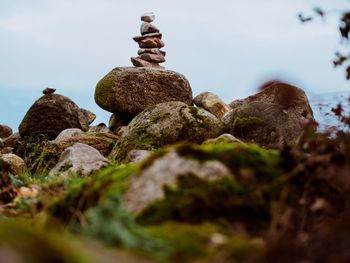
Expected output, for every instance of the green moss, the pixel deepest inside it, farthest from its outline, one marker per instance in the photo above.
(109, 182)
(29, 244)
(160, 118)
(47, 159)
(242, 126)
(241, 159)
(195, 200)
(103, 92)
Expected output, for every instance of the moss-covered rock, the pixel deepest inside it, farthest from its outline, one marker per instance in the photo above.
(128, 91)
(51, 114)
(165, 124)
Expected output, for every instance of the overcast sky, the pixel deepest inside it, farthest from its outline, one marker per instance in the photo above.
(228, 47)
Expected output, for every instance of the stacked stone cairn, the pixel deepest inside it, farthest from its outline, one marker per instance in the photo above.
(150, 43)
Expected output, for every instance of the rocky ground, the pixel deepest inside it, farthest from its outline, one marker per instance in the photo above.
(169, 181)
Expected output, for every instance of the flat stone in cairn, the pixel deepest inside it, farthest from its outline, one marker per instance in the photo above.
(150, 43)
(147, 28)
(148, 17)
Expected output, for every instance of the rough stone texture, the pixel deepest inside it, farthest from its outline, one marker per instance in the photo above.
(147, 28)
(100, 128)
(152, 58)
(12, 140)
(7, 189)
(138, 62)
(147, 186)
(151, 42)
(52, 114)
(271, 118)
(80, 159)
(165, 124)
(103, 142)
(148, 36)
(116, 122)
(15, 164)
(148, 17)
(128, 91)
(90, 116)
(151, 51)
(5, 131)
(67, 134)
(224, 138)
(212, 103)
(135, 156)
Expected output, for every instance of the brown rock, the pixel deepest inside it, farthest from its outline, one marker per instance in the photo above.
(52, 114)
(128, 91)
(147, 36)
(152, 58)
(5, 131)
(272, 118)
(212, 103)
(151, 51)
(12, 140)
(151, 43)
(138, 62)
(147, 28)
(15, 164)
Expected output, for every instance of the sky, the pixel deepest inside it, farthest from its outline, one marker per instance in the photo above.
(228, 47)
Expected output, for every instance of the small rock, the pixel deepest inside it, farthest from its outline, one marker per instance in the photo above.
(153, 42)
(100, 128)
(80, 159)
(152, 58)
(148, 36)
(138, 62)
(48, 91)
(147, 28)
(5, 131)
(7, 150)
(15, 164)
(148, 17)
(12, 140)
(135, 156)
(156, 51)
(86, 114)
(116, 122)
(224, 138)
(67, 134)
(212, 103)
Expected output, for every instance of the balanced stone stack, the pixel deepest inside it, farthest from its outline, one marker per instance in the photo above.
(150, 43)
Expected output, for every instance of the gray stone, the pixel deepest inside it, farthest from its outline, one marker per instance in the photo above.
(148, 186)
(135, 156)
(128, 91)
(147, 28)
(81, 159)
(165, 124)
(156, 51)
(148, 17)
(67, 134)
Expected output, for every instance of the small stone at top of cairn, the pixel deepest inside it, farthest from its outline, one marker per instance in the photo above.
(150, 43)
(48, 91)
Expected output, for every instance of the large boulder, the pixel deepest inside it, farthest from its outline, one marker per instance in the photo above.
(272, 118)
(128, 91)
(80, 159)
(53, 113)
(165, 124)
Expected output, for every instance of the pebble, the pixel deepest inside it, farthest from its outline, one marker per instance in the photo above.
(148, 17)
(146, 36)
